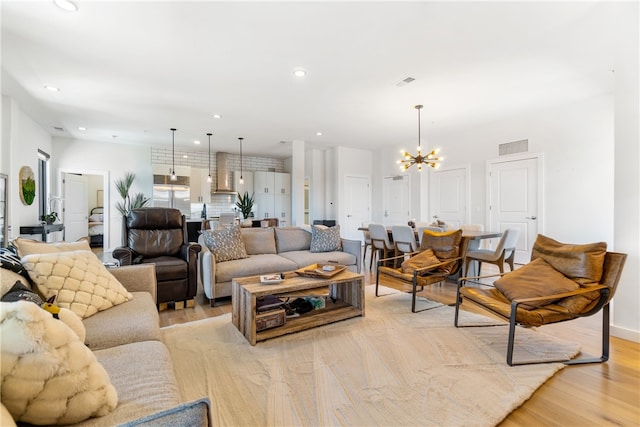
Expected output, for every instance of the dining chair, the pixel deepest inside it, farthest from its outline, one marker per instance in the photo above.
(367, 243)
(420, 229)
(226, 218)
(505, 252)
(380, 241)
(404, 239)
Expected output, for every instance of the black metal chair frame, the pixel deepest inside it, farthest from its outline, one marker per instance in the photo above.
(602, 304)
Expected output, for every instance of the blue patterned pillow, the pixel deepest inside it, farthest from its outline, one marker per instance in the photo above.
(226, 243)
(325, 239)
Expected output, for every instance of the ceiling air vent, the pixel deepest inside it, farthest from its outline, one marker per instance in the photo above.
(405, 81)
(514, 147)
(58, 128)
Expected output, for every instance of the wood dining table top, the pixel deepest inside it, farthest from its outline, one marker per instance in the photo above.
(468, 234)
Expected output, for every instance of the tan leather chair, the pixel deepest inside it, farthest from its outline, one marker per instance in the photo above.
(552, 303)
(423, 268)
(159, 236)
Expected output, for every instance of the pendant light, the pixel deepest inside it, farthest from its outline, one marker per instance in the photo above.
(209, 179)
(241, 178)
(173, 176)
(429, 159)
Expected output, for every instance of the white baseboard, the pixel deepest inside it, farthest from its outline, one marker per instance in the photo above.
(625, 334)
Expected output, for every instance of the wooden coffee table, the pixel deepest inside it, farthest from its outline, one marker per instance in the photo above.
(346, 288)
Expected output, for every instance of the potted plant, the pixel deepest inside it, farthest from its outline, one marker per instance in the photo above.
(49, 218)
(245, 204)
(128, 203)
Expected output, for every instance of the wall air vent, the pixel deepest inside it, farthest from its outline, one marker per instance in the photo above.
(405, 81)
(514, 147)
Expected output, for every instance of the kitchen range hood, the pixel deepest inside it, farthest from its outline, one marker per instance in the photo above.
(224, 184)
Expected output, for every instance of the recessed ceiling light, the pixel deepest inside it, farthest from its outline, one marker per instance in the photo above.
(217, 116)
(299, 72)
(82, 128)
(52, 88)
(196, 142)
(319, 133)
(185, 156)
(66, 5)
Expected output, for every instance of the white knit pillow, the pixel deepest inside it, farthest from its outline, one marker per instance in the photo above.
(48, 375)
(78, 278)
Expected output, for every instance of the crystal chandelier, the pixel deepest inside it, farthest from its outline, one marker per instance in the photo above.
(429, 159)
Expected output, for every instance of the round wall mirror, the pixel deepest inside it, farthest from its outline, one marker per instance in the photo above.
(27, 181)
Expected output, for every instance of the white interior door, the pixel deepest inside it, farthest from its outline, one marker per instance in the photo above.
(449, 196)
(357, 190)
(395, 200)
(514, 200)
(76, 207)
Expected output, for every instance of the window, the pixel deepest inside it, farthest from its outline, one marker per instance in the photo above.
(43, 181)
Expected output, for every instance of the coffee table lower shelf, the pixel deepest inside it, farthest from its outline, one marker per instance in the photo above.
(347, 288)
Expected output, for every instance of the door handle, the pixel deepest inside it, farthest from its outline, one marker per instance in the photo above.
(531, 217)
(349, 216)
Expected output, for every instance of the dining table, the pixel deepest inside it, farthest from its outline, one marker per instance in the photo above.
(473, 240)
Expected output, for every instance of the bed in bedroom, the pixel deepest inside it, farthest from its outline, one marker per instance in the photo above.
(96, 227)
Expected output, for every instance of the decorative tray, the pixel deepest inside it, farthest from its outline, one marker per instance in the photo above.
(271, 279)
(321, 271)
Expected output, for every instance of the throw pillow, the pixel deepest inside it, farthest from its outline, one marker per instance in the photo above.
(535, 279)
(445, 244)
(420, 260)
(26, 247)
(78, 278)
(225, 243)
(583, 263)
(325, 240)
(48, 375)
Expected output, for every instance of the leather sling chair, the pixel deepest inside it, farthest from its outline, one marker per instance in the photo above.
(562, 282)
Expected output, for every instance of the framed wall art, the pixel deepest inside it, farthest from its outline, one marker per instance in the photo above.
(27, 183)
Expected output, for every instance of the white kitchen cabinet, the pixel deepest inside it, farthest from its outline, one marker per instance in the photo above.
(273, 196)
(200, 188)
(282, 183)
(272, 182)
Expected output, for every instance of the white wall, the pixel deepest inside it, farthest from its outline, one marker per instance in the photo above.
(316, 173)
(577, 142)
(348, 161)
(112, 160)
(21, 139)
(626, 312)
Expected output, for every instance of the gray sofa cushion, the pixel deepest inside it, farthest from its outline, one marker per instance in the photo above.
(292, 239)
(259, 240)
(132, 321)
(143, 376)
(254, 265)
(304, 258)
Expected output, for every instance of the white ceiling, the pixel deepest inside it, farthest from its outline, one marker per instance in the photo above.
(136, 69)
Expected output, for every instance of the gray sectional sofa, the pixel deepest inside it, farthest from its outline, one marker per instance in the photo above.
(126, 341)
(270, 250)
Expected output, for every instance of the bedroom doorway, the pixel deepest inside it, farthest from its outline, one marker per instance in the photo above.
(84, 213)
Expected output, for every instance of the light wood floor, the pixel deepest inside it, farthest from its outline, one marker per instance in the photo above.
(606, 394)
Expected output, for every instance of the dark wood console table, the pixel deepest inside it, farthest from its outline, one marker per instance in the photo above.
(42, 229)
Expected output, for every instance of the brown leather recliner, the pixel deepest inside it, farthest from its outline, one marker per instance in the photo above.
(159, 236)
